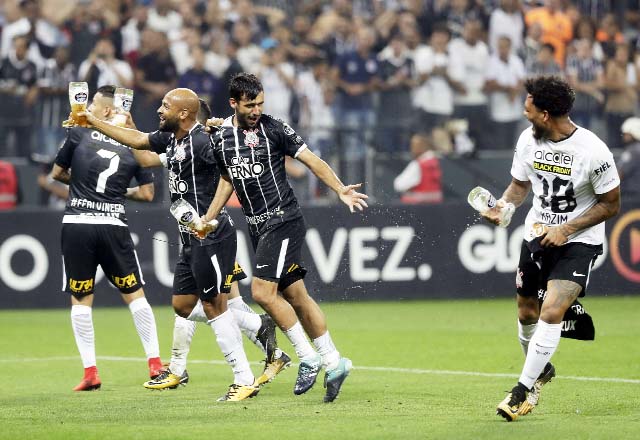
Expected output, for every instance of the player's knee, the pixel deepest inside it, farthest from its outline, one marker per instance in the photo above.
(182, 308)
(528, 315)
(263, 292)
(552, 315)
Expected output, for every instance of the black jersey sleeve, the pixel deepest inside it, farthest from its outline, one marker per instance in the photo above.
(65, 153)
(291, 141)
(143, 175)
(158, 141)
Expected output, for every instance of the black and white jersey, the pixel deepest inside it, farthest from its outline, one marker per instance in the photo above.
(566, 178)
(101, 170)
(254, 160)
(193, 176)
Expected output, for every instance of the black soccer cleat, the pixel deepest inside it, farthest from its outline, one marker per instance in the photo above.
(307, 375)
(509, 408)
(267, 336)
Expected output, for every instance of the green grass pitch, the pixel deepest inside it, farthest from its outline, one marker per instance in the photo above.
(430, 369)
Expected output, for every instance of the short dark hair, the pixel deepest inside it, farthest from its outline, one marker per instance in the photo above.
(550, 47)
(107, 91)
(244, 85)
(552, 94)
(204, 112)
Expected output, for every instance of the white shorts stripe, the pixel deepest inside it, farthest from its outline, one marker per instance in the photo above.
(135, 254)
(216, 267)
(281, 257)
(64, 275)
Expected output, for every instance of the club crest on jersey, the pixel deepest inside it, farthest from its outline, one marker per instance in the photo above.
(180, 154)
(251, 138)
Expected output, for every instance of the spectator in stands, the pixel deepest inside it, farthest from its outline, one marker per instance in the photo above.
(622, 97)
(103, 68)
(18, 92)
(394, 116)
(356, 77)
(586, 76)
(42, 36)
(586, 30)
(507, 20)
(629, 163)
(53, 88)
(155, 75)
(456, 14)
(248, 53)
(609, 35)
(531, 45)
(421, 180)
(131, 34)
(84, 28)
(472, 55)
(557, 29)
(504, 84)
(278, 81)
(544, 64)
(163, 18)
(221, 106)
(9, 186)
(206, 86)
(436, 73)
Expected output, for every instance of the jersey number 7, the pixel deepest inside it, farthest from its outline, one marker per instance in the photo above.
(114, 161)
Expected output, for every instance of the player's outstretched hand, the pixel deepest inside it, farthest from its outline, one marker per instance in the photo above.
(81, 119)
(212, 124)
(555, 236)
(352, 198)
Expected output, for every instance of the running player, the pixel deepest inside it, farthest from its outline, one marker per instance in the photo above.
(205, 267)
(259, 329)
(576, 188)
(95, 232)
(250, 149)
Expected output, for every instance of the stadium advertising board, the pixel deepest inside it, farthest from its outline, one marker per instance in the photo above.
(387, 253)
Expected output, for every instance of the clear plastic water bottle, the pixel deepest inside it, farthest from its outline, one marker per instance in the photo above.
(482, 201)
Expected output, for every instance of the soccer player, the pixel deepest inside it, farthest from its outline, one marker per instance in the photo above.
(94, 232)
(259, 329)
(250, 149)
(205, 267)
(576, 188)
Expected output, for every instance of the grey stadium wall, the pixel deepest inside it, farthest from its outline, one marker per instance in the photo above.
(386, 253)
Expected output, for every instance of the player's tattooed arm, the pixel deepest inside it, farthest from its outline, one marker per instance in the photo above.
(60, 174)
(132, 138)
(608, 205)
(516, 192)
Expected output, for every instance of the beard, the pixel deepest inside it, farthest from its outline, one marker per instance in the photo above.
(169, 125)
(539, 132)
(244, 121)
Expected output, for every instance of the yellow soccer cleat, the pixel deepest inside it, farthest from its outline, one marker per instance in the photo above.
(545, 377)
(271, 369)
(237, 393)
(509, 408)
(166, 380)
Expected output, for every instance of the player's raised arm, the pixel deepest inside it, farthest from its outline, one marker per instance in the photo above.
(126, 136)
(347, 193)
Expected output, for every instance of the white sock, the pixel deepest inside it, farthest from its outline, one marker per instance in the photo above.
(183, 331)
(82, 324)
(145, 324)
(330, 356)
(230, 341)
(197, 314)
(543, 344)
(239, 304)
(525, 331)
(300, 343)
(249, 324)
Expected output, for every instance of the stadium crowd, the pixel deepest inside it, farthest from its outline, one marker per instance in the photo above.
(354, 77)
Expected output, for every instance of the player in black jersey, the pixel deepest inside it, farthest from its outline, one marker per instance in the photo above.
(260, 329)
(205, 267)
(250, 149)
(94, 232)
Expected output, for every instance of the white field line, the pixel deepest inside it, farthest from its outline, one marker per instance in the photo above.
(357, 367)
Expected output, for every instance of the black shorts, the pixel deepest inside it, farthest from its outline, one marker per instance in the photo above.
(572, 262)
(279, 253)
(207, 270)
(84, 247)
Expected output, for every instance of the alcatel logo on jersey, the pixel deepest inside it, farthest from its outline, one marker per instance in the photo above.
(97, 136)
(241, 168)
(176, 185)
(554, 158)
